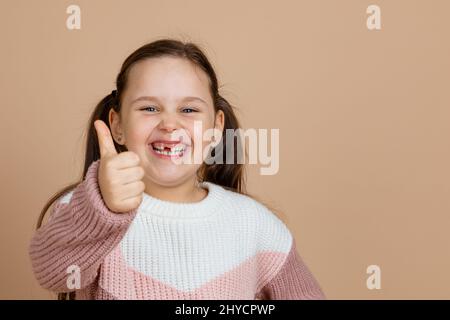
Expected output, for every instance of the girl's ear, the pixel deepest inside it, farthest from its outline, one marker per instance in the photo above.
(219, 124)
(220, 120)
(116, 130)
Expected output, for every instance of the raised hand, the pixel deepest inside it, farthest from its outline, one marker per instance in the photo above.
(119, 174)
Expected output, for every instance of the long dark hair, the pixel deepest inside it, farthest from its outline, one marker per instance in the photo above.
(230, 176)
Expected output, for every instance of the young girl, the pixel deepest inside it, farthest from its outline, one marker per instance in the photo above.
(139, 225)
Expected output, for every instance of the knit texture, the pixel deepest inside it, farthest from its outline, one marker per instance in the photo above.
(226, 246)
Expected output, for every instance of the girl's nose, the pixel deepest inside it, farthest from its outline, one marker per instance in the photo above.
(168, 123)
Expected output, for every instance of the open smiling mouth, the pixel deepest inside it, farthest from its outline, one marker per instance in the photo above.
(168, 149)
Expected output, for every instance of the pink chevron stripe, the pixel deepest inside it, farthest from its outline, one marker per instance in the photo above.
(241, 281)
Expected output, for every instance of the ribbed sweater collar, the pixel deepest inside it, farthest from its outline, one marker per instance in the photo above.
(185, 210)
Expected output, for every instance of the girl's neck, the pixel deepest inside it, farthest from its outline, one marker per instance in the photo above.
(185, 192)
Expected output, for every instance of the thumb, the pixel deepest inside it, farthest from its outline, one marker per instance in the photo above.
(105, 140)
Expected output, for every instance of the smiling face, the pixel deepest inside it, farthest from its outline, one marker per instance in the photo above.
(163, 99)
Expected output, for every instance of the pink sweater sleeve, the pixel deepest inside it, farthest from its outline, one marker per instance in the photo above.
(294, 281)
(80, 232)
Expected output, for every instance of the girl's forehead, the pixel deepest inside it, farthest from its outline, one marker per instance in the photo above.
(167, 77)
(158, 71)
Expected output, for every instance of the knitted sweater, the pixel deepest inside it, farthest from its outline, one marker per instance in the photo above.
(226, 246)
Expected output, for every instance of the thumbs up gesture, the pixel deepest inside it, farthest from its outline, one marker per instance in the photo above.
(119, 175)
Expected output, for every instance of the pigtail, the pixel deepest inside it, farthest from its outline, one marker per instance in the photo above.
(101, 111)
(229, 175)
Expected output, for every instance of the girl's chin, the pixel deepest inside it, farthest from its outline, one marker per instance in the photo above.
(167, 177)
(167, 182)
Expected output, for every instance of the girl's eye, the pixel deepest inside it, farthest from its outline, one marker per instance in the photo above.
(149, 107)
(189, 110)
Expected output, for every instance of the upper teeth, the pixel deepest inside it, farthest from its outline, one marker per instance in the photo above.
(173, 149)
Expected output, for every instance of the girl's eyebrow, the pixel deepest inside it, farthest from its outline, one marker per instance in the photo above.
(184, 99)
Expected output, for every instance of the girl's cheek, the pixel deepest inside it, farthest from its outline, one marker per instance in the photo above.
(143, 127)
(137, 137)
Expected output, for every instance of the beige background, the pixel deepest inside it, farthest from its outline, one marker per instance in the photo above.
(363, 116)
